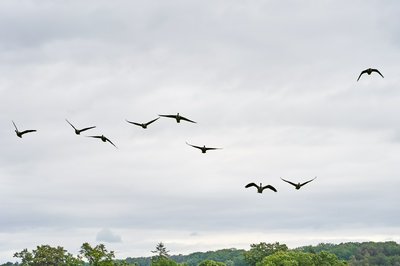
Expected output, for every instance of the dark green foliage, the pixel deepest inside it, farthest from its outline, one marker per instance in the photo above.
(228, 256)
(211, 263)
(46, 255)
(299, 258)
(366, 253)
(259, 251)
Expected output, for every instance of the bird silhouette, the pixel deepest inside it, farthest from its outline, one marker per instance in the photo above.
(203, 149)
(78, 131)
(178, 118)
(20, 133)
(298, 185)
(143, 125)
(260, 188)
(369, 71)
(103, 138)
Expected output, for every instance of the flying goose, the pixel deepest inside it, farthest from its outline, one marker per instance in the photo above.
(178, 118)
(143, 125)
(204, 148)
(20, 133)
(369, 71)
(103, 138)
(260, 188)
(78, 131)
(298, 185)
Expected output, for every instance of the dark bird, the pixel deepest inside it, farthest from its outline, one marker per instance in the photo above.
(260, 188)
(78, 131)
(178, 118)
(143, 125)
(20, 133)
(103, 138)
(204, 148)
(369, 71)
(298, 185)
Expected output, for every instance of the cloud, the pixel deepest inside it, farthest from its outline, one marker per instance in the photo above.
(106, 235)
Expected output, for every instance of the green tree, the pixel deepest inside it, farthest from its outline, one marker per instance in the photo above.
(161, 251)
(98, 255)
(163, 262)
(259, 251)
(298, 258)
(46, 255)
(211, 263)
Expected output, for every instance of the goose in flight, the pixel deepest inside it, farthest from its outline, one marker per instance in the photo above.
(260, 188)
(178, 118)
(143, 125)
(20, 133)
(203, 149)
(104, 139)
(78, 131)
(369, 71)
(298, 185)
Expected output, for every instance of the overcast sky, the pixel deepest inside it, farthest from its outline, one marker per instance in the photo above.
(273, 83)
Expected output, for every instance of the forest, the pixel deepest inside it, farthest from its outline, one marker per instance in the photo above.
(260, 254)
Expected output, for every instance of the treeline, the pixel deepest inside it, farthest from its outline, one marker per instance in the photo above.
(261, 254)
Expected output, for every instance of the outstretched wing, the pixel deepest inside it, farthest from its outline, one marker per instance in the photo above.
(377, 71)
(134, 123)
(194, 146)
(97, 137)
(148, 123)
(207, 148)
(287, 181)
(27, 131)
(362, 72)
(170, 116)
(111, 142)
(86, 128)
(70, 124)
(307, 182)
(15, 126)
(270, 187)
(184, 118)
(251, 185)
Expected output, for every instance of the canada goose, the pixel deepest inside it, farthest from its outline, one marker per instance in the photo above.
(298, 185)
(204, 148)
(143, 125)
(178, 118)
(260, 188)
(20, 133)
(369, 71)
(103, 138)
(78, 131)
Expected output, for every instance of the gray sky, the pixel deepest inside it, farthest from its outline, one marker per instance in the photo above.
(271, 82)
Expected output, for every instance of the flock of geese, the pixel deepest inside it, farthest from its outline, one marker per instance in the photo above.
(260, 188)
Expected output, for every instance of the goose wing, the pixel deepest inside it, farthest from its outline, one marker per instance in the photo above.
(148, 123)
(170, 116)
(86, 128)
(134, 123)
(97, 137)
(377, 71)
(27, 131)
(362, 72)
(307, 182)
(194, 146)
(184, 118)
(111, 142)
(251, 185)
(270, 187)
(287, 181)
(209, 148)
(15, 126)
(70, 124)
